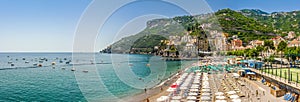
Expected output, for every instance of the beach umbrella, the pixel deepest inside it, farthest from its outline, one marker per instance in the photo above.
(205, 90)
(193, 94)
(205, 87)
(191, 98)
(220, 97)
(205, 98)
(219, 93)
(190, 101)
(196, 82)
(194, 90)
(183, 88)
(176, 97)
(195, 87)
(206, 94)
(174, 85)
(220, 101)
(175, 101)
(162, 99)
(171, 89)
(231, 92)
(236, 100)
(234, 96)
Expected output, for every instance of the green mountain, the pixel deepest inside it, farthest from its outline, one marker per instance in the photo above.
(281, 22)
(247, 24)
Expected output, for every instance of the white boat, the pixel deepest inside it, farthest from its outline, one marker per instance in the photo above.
(85, 71)
(73, 69)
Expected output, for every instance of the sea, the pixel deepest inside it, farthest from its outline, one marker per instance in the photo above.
(81, 77)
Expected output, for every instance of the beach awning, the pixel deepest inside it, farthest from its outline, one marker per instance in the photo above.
(250, 73)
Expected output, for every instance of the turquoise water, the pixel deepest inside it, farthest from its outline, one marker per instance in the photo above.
(112, 77)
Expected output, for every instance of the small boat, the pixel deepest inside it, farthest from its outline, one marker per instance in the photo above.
(53, 63)
(67, 62)
(12, 64)
(85, 71)
(26, 61)
(35, 64)
(130, 64)
(40, 65)
(73, 69)
(41, 61)
(63, 68)
(23, 58)
(148, 64)
(65, 58)
(9, 62)
(60, 61)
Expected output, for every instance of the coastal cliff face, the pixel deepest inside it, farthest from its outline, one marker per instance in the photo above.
(247, 24)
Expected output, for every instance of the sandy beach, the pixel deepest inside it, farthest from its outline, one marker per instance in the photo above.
(157, 91)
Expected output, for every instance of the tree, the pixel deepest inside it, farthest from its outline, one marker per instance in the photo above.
(281, 47)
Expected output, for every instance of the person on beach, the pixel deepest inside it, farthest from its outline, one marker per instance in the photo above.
(145, 90)
(161, 88)
(256, 93)
(148, 100)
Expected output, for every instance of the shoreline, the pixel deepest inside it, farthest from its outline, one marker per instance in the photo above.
(155, 92)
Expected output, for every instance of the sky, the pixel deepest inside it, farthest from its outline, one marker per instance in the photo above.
(51, 25)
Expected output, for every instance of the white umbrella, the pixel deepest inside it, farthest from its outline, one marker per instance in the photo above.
(195, 87)
(194, 90)
(183, 87)
(171, 89)
(205, 87)
(205, 90)
(175, 101)
(220, 101)
(220, 97)
(176, 97)
(162, 99)
(231, 92)
(206, 94)
(193, 94)
(236, 100)
(196, 82)
(219, 93)
(234, 96)
(191, 98)
(205, 98)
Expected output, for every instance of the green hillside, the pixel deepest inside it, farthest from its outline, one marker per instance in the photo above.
(247, 24)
